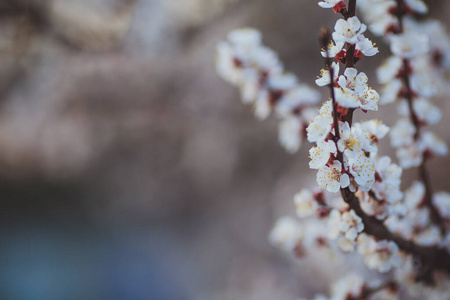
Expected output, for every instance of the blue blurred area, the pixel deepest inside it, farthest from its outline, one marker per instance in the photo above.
(42, 263)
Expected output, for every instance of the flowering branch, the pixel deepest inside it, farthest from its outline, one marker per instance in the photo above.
(432, 258)
(423, 173)
(390, 228)
(256, 70)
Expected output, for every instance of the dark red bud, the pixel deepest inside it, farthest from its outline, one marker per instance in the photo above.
(340, 56)
(339, 8)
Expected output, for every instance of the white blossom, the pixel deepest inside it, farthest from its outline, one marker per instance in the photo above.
(433, 144)
(389, 70)
(262, 106)
(286, 234)
(355, 92)
(329, 3)
(388, 187)
(349, 139)
(439, 44)
(402, 134)
(430, 236)
(348, 30)
(417, 5)
(353, 81)
(351, 225)
(321, 154)
(290, 133)
(381, 255)
(377, 15)
(369, 100)
(333, 49)
(422, 82)
(315, 234)
(363, 170)
(334, 219)
(327, 110)
(324, 77)
(426, 112)
(370, 133)
(409, 45)
(414, 195)
(305, 203)
(349, 287)
(346, 98)
(319, 128)
(332, 178)
(365, 46)
(297, 99)
(410, 156)
(257, 71)
(442, 202)
(391, 91)
(246, 38)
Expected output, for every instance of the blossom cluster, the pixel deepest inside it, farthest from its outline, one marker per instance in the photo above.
(415, 223)
(346, 154)
(326, 219)
(353, 286)
(256, 70)
(356, 169)
(349, 31)
(406, 274)
(416, 72)
(412, 75)
(372, 216)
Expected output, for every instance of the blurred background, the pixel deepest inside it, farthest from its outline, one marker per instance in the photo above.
(130, 170)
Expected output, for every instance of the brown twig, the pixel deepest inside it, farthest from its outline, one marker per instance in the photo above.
(325, 38)
(351, 8)
(409, 98)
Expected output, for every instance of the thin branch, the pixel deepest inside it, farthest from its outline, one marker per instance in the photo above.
(409, 98)
(432, 258)
(325, 38)
(434, 213)
(350, 56)
(351, 8)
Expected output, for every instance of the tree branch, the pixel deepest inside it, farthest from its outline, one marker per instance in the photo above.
(432, 258)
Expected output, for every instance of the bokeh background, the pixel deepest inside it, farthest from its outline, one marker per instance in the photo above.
(130, 170)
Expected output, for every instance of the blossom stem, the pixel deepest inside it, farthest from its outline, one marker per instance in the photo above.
(325, 38)
(350, 56)
(349, 117)
(434, 213)
(409, 99)
(351, 8)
